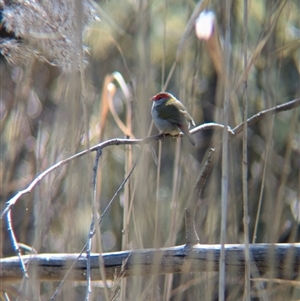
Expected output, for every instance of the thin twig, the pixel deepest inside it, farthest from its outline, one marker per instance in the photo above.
(128, 167)
(211, 126)
(224, 181)
(117, 192)
(88, 260)
(99, 222)
(92, 231)
(247, 288)
(189, 27)
(201, 5)
(157, 191)
(15, 243)
(263, 114)
(266, 33)
(174, 199)
(262, 186)
(285, 173)
(173, 229)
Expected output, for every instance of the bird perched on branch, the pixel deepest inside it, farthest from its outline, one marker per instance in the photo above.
(170, 115)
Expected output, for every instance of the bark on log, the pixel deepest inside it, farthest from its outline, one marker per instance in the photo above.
(281, 260)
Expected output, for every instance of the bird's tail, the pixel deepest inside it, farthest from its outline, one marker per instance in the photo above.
(185, 130)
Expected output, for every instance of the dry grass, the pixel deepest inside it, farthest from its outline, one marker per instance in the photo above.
(48, 115)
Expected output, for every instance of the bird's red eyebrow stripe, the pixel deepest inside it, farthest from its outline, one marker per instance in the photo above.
(163, 95)
(160, 96)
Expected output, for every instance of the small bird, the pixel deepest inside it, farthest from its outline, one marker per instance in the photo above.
(170, 115)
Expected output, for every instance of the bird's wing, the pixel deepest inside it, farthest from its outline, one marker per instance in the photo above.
(179, 110)
(189, 118)
(174, 114)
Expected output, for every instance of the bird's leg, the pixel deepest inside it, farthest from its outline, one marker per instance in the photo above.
(163, 134)
(178, 136)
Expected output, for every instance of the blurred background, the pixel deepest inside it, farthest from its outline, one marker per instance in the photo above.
(56, 100)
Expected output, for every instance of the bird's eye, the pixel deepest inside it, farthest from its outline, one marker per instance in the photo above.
(161, 96)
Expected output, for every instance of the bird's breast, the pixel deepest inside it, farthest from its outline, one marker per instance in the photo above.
(163, 124)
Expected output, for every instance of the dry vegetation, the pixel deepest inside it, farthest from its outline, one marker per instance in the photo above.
(53, 106)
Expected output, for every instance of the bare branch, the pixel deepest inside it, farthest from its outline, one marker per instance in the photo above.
(252, 120)
(261, 115)
(191, 236)
(191, 233)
